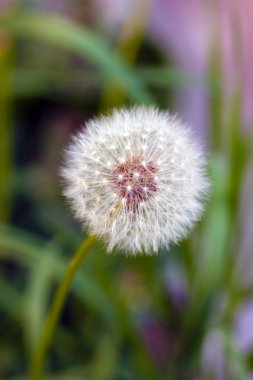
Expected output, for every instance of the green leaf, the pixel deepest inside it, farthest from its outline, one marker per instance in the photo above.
(216, 228)
(210, 255)
(36, 81)
(238, 151)
(10, 299)
(20, 246)
(86, 43)
(6, 132)
(163, 76)
(216, 99)
(30, 251)
(36, 299)
(25, 249)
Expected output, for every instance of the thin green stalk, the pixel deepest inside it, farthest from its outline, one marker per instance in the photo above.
(6, 62)
(127, 47)
(39, 356)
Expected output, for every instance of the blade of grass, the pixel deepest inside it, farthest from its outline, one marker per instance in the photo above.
(37, 295)
(216, 100)
(160, 76)
(76, 39)
(11, 300)
(210, 264)
(127, 46)
(27, 82)
(215, 231)
(5, 126)
(238, 150)
(27, 250)
(163, 76)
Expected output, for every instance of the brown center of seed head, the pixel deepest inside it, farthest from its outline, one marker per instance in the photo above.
(134, 181)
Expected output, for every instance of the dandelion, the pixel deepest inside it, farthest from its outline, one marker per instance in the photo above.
(136, 178)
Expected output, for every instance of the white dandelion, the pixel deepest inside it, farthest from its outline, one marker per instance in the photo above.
(136, 178)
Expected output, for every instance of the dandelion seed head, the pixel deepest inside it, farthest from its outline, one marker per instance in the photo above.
(131, 180)
(136, 178)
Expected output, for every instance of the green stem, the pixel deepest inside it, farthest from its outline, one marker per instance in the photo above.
(39, 356)
(127, 47)
(6, 156)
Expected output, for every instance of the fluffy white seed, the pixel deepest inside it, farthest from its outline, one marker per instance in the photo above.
(136, 199)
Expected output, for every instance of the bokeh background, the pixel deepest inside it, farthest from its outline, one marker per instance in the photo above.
(186, 314)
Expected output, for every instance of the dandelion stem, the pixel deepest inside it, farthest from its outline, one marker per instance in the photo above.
(39, 355)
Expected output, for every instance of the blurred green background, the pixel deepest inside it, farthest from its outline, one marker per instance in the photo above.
(185, 314)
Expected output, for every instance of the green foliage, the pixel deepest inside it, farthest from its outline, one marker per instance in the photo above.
(56, 30)
(101, 332)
